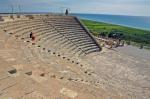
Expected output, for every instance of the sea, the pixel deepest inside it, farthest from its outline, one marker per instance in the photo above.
(140, 22)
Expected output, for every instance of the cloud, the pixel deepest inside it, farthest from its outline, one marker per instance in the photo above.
(128, 7)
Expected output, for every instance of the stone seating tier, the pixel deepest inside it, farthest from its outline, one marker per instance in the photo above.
(60, 32)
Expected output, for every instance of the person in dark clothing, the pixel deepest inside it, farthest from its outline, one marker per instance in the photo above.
(31, 34)
(67, 12)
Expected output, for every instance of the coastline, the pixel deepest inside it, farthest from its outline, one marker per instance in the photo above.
(136, 37)
(139, 22)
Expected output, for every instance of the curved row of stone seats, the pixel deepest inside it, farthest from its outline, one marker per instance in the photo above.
(13, 28)
(87, 48)
(56, 21)
(70, 46)
(70, 34)
(3, 23)
(22, 23)
(69, 61)
(28, 29)
(61, 22)
(61, 63)
(62, 18)
(25, 30)
(73, 35)
(67, 47)
(80, 33)
(57, 49)
(15, 22)
(26, 26)
(48, 44)
(16, 28)
(92, 50)
(54, 59)
(53, 38)
(74, 30)
(50, 57)
(76, 38)
(37, 30)
(67, 25)
(80, 40)
(84, 44)
(41, 33)
(71, 29)
(81, 43)
(64, 23)
(73, 49)
(65, 38)
(54, 30)
(7, 24)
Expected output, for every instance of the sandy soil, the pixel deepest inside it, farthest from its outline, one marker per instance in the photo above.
(27, 72)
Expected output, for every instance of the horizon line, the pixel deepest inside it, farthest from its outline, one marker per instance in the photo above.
(71, 13)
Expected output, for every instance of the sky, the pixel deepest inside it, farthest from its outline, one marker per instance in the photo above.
(115, 7)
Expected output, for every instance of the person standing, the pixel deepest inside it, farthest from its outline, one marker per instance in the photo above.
(31, 35)
(67, 12)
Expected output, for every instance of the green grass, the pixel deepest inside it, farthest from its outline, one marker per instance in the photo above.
(131, 34)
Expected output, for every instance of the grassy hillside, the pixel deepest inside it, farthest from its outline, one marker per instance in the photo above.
(130, 34)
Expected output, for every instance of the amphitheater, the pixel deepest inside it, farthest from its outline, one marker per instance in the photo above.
(64, 62)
